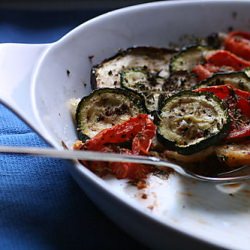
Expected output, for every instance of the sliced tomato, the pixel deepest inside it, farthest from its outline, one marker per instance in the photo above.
(202, 72)
(243, 101)
(240, 132)
(221, 91)
(140, 130)
(142, 141)
(220, 61)
(119, 133)
(239, 33)
(120, 169)
(238, 42)
(225, 58)
(130, 170)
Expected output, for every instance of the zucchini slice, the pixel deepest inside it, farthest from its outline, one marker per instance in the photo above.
(155, 60)
(190, 122)
(137, 79)
(238, 80)
(179, 81)
(104, 108)
(145, 83)
(189, 57)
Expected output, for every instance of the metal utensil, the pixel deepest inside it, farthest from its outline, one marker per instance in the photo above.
(237, 175)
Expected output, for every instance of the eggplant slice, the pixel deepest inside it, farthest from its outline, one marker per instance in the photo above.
(155, 60)
(142, 81)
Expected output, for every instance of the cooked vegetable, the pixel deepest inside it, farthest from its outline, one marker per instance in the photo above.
(199, 97)
(147, 84)
(238, 80)
(188, 58)
(193, 158)
(234, 155)
(219, 61)
(238, 102)
(154, 60)
(136, 78)
(177, 82)
(247, 71)
(225, 58)
(190, 122)
(238, 42)
(140, 130)
(207, 70)
(223, 91)
(104, 108)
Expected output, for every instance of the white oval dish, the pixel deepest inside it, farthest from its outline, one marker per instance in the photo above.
(177, 211)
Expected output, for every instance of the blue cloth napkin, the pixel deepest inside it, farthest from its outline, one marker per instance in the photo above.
(41, 206)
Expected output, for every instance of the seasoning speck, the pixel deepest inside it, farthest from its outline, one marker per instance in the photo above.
(91, 58)
(64, 145)
(234, 14)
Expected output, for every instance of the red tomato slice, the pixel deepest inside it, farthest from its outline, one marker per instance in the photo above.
(130, 170)
(238, 42)
(142, 141)
(140, 130)
(239, 133)
(243, 101)
(202, 72)
(221, 91)
(225, 58)
(239, 33)
(119, 133)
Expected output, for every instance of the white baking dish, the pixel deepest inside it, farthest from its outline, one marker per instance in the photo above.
(38, 82)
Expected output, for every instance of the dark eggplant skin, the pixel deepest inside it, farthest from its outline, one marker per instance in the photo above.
(194, 148)
(151, 52)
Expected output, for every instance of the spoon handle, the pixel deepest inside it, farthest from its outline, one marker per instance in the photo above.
(79, 154)
(99, 156)
(92, 156)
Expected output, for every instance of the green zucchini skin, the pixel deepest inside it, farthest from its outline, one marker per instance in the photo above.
(175, 122)
(238, 80)
(106, 73)
(188, 57)
(137, 79)
(104, 108)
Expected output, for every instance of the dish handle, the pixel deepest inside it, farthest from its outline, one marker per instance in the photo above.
(17, 62)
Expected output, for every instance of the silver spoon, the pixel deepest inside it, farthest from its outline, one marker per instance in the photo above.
(237, 175)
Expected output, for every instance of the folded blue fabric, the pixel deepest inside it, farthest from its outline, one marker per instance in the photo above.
(41, 206)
